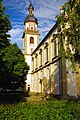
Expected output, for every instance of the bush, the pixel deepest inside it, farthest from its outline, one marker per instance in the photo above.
(10, 96)
(50, 110)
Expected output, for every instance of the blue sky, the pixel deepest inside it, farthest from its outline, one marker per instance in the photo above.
(45, 12)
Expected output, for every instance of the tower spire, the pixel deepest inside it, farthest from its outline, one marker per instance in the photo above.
(30, 1)
(31, 9)
(31, 16)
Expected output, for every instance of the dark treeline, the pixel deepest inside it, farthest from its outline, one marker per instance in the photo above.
(13, 68)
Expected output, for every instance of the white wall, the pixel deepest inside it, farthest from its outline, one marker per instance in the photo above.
(56, 78)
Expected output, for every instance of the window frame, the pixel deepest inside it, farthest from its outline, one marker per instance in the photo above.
(32, 40)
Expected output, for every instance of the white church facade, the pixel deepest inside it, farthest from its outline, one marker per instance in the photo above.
(47, 74)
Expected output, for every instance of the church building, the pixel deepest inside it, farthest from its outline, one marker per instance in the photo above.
(48, 73)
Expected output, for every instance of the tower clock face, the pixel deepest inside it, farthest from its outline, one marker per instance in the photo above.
(31, 26)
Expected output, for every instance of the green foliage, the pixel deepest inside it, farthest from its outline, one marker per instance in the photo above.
(69, 26)
(51, 110)
(15, 66)
(5, 26)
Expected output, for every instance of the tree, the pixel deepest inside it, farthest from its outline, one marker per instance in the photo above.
(69, 31)
(16, 67)
(5, 26)
(13, 68)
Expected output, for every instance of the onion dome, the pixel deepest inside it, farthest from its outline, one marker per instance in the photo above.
(31, 17)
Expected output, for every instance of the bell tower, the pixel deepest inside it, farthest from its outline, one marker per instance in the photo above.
(30, 39)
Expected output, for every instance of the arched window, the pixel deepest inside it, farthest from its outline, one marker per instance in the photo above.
(48, 81)
(31, 40)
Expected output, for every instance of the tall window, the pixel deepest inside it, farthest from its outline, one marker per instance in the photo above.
(55, 48)
(32, 63)
(40, 57)
(46, 50)
(47, 54)
(55, 45)
(36, 59)
(31, 40)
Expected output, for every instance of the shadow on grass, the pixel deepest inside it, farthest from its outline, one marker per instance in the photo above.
(12, 97)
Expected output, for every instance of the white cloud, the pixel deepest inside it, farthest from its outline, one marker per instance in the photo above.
(16, 32)
(45, 28)
(45, 12)
(16, 36)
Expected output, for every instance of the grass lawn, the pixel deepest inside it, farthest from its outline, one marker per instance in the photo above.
(49, 110)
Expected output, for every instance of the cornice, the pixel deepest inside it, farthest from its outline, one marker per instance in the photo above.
(32, 32)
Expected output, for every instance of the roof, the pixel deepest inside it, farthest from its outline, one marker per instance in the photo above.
(31, 18)
(44, 39)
